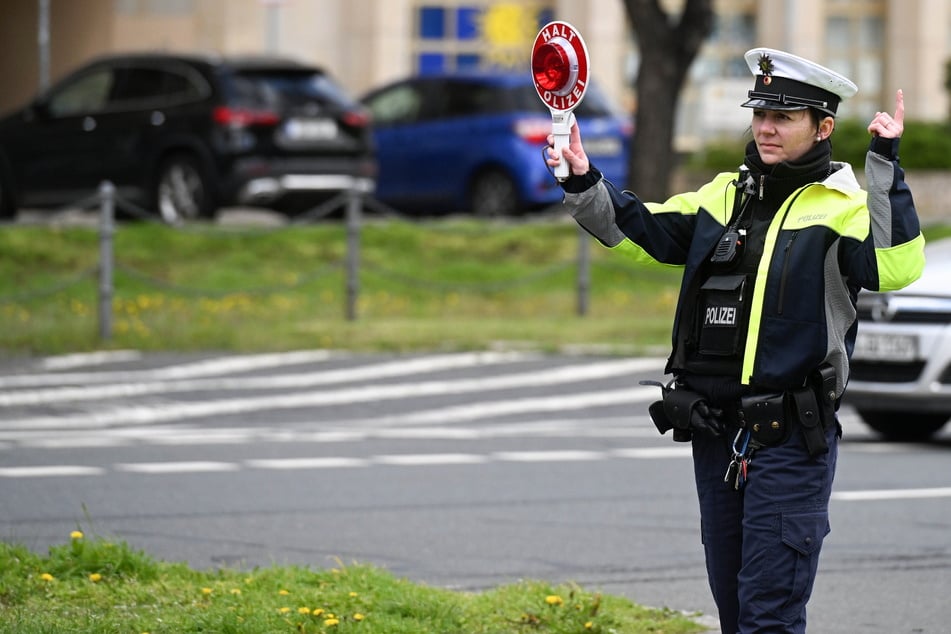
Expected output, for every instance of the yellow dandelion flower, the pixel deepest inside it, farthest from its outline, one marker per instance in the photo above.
(331, 622)
(76, 535)
(235, 590)
(353, 594)
(589, 625)
(358, 617)
(303, 610)
(95, 577)
(284, 610)
(318, 612)
(46, 576)
(206, 591)
(554, 599)
(283, 593)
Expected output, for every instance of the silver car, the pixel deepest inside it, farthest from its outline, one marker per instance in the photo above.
(901, 366)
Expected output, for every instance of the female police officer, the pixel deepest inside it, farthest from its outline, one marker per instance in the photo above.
(773, 257)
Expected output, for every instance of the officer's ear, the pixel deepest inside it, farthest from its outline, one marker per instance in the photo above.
(825, 128)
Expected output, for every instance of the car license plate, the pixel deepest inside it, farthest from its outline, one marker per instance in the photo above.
(310, 129)
(873, 346)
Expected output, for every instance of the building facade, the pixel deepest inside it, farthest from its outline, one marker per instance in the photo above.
(881, 44)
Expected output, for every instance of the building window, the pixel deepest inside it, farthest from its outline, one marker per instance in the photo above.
(734, 33)
(854, 43)
(154, 7)
(463, 36)
(432, 23)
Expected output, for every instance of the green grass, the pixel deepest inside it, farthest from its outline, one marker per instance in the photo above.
(94, 586)
(438, 285)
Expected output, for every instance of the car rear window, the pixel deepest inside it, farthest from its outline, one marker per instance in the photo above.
(281, 89)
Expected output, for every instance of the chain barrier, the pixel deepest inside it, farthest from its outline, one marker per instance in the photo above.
(191, 291)
(353, 202)
(475, 287)
(73, 280)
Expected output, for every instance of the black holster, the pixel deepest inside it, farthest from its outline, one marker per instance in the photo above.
(673, 411)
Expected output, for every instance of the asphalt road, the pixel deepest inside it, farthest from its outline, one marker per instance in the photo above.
(459, 470)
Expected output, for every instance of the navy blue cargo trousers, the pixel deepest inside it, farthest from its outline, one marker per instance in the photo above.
(762, 542)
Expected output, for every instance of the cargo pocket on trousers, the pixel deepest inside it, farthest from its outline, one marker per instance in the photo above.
(802, 533)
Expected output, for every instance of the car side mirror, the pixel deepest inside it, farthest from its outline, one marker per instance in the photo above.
(37, 109)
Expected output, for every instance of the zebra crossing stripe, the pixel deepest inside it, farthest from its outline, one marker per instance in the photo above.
(50, 471)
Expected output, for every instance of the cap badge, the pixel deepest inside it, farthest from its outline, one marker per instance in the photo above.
(765, 64)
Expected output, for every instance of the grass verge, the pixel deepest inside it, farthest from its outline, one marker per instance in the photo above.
(96, 586)
(437, 285)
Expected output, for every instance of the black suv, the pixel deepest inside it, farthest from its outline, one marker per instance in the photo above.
(182, 135)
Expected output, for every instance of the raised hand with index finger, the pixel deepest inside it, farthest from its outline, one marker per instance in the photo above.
(890, 126)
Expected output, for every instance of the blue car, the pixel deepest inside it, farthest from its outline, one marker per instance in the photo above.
(474, 143)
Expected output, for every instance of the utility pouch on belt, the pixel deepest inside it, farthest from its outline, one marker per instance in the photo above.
(764, 415)
(807, 411)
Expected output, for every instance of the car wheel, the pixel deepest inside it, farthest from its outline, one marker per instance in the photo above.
(493, 193)
(903, 426)
(182, 191)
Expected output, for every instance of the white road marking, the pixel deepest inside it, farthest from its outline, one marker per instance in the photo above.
(69, 361)
(176, 467)
(413, 460)
(476, 411)
(333, 462)
(122, 425)
(48, 471)
(307, 463)
(548, 456)
(430, 459)
(891, 494)
(625, 427)
(682, 451)
(208, 367)
(147, 414)
(132, 384)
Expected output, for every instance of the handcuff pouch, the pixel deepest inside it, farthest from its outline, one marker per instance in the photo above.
(764, 415)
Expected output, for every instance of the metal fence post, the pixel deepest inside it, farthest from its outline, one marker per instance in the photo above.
(353, 251)
(107, 209)
(584, 271)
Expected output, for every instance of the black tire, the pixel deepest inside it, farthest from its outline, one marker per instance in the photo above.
(904, 426)
(493, 193)
(183, 191)
(8, 205)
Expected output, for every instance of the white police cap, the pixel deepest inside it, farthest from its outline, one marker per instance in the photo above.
(787, 82)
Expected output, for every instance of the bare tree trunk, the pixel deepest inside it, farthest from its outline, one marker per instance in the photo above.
(668, 45)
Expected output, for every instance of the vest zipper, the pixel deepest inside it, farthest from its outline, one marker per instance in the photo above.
(786, 249)
(782, 278)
